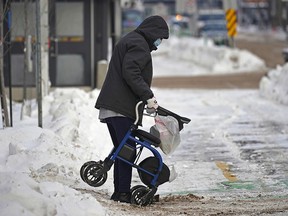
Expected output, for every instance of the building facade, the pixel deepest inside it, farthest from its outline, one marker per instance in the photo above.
(77, 39)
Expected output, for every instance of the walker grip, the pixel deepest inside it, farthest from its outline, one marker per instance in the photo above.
(181, 120)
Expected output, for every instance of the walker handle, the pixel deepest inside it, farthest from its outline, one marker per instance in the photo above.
(137, 112)
(181, 120)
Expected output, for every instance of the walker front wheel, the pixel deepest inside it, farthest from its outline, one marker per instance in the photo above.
(93, 175)
(84, 166)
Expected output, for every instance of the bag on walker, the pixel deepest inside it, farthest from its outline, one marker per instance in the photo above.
(166, 128)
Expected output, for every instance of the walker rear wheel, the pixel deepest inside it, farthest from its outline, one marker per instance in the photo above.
(138, 196)
(136, 187)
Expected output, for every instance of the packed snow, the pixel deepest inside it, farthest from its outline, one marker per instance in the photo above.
(40, 166)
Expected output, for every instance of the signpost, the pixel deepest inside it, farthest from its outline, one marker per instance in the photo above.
(5, 47)
(230, 7)
(38, 63)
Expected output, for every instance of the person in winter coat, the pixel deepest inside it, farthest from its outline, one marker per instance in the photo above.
(127, 82)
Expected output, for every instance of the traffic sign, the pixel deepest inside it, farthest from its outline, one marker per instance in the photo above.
(231, 18)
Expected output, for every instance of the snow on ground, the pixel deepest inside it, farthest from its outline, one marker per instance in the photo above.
(40, 167)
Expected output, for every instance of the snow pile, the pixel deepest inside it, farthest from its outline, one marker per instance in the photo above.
(27, 197)
(216, 59)
(274, 85)
(40, 167)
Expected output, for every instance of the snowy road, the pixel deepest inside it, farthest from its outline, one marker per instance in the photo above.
(224, 81)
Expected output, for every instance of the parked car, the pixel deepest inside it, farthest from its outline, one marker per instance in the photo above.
(180, 25)
(212, 24)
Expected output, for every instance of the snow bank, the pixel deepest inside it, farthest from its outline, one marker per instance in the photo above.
(40, 167)
(274, 85)
(217, 59)
(27, 197)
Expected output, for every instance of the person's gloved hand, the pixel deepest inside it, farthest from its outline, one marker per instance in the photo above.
(152, 105)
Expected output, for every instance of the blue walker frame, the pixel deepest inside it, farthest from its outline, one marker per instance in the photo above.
(138, 145)
(95, 173)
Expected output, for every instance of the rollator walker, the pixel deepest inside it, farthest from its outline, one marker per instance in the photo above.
(152, 170)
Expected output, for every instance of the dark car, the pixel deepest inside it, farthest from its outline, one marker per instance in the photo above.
(212, 24)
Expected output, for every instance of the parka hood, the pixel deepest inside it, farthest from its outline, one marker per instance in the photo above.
(152, 28)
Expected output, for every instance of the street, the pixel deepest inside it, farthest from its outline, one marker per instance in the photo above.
(223, 81)
(263, 45)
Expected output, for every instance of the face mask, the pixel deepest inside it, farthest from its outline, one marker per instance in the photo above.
(157, 42)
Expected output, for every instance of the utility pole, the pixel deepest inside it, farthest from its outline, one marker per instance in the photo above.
(25, 50)
(3, 102)
(44, 29)
(38, 64)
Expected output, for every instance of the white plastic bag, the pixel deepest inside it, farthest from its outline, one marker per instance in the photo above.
(173, 173)
(168, 128)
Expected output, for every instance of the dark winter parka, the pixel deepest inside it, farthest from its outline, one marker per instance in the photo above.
(130, 71)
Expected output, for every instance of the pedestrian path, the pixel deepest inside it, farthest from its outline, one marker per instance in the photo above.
(235, 145)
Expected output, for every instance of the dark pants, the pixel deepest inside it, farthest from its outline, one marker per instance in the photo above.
(118, 127)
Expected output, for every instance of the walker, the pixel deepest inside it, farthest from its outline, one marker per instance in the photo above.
(152, 170)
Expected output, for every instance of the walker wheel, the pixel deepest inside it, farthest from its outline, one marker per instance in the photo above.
(138, 193)
(136, 187)
(83, 167)
(92, 174)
